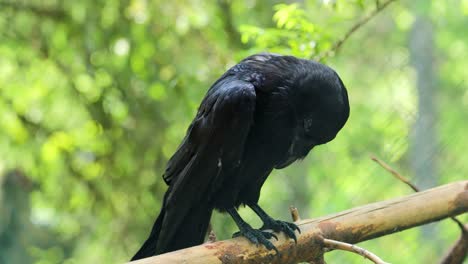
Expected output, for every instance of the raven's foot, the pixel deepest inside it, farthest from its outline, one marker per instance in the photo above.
(257, 236)
(281, 226)
(276, 225)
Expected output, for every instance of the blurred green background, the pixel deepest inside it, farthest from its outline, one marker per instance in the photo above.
(96, 95)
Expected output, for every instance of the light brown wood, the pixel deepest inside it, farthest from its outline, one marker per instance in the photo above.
(351, 226)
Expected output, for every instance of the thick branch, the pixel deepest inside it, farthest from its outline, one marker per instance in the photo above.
(411, 185)
(351, 226)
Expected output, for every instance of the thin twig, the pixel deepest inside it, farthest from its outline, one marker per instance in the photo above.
(337, 45)
(211, 234)
(395, 173)
(458, 252)
(294, 213)
(412, 186)
(353, 248)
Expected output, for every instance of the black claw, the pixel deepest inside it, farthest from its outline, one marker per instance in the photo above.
(269, 245)
(297, 228)
(276, 250)
(236, 234)
(269, 235)
(275, 236)
(280, 226)
(290, 231)
(257, 237)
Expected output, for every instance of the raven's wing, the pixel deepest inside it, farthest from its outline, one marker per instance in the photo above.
(229, 102)
(213, 146)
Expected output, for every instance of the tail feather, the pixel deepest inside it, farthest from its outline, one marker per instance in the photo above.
(188, 230)
(149, 247)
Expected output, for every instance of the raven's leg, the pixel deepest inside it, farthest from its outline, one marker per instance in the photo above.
(254, 235)
(275, 225)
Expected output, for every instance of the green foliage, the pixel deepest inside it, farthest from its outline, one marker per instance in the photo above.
(294, 33)
(95, 96)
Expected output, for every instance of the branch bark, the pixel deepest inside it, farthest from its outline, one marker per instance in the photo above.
(351, 226)
(411, 185)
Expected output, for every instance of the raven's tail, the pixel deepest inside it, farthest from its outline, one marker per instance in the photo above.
(175, 230)
(149, 247)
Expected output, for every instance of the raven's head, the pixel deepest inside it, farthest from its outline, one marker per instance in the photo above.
(320, 101)
(321, 107)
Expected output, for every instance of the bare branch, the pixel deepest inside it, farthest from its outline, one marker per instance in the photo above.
(412, 186)
(211, 234)
(351, 226)
(294, 214)
(329, 243)
(395, 173)
(457, 253)
(337, 45)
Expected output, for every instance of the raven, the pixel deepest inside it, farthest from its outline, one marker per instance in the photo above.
(262, 114)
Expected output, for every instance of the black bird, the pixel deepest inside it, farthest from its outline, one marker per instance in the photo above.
(264, 113)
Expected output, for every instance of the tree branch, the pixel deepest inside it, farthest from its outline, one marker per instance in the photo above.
(395, 173)
(353, 248)
(351, 226)
(457, 253)
(412, 186)
(337, 45)
(294, 214)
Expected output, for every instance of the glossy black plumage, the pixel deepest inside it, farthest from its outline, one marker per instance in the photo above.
(263, 113)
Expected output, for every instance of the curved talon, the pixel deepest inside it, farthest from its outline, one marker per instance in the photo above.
(274, 236)
(282, 226)
(290, 228)
(257, 236)
(297, 228)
